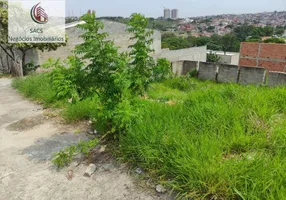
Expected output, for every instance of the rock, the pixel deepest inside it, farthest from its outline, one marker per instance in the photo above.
(102, 149)
(139, 171)
(90, 170)
(160, 189)
(90, 131)
(70, 175)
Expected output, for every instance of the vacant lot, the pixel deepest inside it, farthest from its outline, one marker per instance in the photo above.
(202, 139)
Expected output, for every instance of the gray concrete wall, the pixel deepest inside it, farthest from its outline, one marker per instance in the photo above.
(226, 59)
(207, 71)
(191, 54)
(182, 68)
(252, 75)
(177, 67)
(276, 79)
(227, 73)
(189, 66)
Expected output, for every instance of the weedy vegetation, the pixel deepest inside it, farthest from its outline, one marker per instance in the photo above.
(202, 139)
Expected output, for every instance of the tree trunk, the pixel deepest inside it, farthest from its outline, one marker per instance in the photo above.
(23, 61)
(17, 69)
(24, 58)
(8, 64)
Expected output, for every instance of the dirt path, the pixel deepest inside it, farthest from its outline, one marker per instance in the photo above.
(27, 141)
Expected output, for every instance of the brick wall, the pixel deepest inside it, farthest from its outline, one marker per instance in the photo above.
(272, 57)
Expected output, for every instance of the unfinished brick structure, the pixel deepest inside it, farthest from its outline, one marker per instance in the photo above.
(272, 57)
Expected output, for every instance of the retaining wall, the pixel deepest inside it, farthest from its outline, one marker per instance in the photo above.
(276, 79)
(227, 73)
(177, 68)
(230, 73)
(252, 75)
(189, 66)
(207, 71)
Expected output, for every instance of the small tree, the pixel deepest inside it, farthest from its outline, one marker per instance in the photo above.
(142, 64)
(212, 57)
(105, 65)
(230, 43)
(162, 70)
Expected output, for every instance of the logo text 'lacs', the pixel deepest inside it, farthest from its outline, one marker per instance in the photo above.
(39, 15)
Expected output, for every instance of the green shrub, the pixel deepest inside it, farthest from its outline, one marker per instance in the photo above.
(69, 80)
(65, 157)
(275, 40)
(162, 70)
(181, 83)
(29, 67)
(193, 73)
(212, 57)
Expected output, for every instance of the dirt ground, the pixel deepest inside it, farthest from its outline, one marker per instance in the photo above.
(27, 141)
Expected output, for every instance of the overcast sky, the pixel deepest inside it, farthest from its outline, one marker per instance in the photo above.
(187, 8)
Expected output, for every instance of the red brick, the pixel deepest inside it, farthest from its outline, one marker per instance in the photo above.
(247, 62)
(249, 49)
(277, 51)
(273, 66)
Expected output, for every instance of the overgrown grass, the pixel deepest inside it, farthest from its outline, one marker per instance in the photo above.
(39, 88)
(221, 142)
(217, 141)
(85, 109)
(5, 75)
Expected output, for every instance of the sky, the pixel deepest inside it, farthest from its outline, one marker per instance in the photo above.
(187, 8)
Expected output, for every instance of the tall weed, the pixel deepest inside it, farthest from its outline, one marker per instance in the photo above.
(224, 141)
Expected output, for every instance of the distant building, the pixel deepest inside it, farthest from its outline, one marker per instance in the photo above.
(175, 13)
(272, 57)
(167, 13)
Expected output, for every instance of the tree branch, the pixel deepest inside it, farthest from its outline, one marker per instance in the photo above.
(5, 50)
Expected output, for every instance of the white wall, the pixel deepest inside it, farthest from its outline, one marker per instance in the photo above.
(193, 54)
(231, 58)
